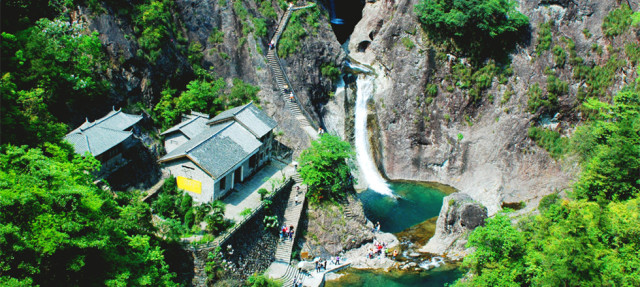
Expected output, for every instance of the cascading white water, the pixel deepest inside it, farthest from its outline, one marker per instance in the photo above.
(369, 171)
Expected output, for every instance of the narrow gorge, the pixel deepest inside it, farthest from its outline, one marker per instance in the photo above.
(424, 134)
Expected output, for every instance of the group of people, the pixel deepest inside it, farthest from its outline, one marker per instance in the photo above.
(380, 249)
(321, 263)
(286, 232)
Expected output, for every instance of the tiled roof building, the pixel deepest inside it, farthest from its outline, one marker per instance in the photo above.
(225, 151)
(105, 138)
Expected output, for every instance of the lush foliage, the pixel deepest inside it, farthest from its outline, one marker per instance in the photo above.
(610, 149)
(173, 205)
(203, 95)
(575, 243)
(261, 280)
(591, 241)
(216, 223)
(152, 22)
(50, 66)
(617, 22)
(479, 28)
(549, 140)
(330, 71)
(302, 23)
(544, 37)
(56, 226)
(324, 168)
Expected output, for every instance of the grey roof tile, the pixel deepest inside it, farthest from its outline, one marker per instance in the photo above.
(252, 117)
(96, 140)
(190, 128)
(219, 148)
(102, 134)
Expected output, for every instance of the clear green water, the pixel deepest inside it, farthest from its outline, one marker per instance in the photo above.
(416, 203)
(377, 278)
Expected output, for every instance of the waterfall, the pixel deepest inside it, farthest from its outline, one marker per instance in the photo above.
(368, 169)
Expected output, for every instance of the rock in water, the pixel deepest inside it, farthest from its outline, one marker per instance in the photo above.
(459, 214)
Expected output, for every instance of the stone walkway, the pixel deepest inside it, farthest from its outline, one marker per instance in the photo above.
(246, 194)
(292, 218)
(288, 274)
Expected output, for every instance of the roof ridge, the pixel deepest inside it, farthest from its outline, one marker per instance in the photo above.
(242, 109)
(98, 121)
(86, 138)
(181, 125)
(114, 130)
(208, 138)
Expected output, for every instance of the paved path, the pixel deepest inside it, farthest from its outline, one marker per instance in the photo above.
(246, 194)
(282, 81)
(288, 274)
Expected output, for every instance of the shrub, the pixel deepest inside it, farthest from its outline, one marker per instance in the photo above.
(189, 218)
(408, 43)
(330, 71)
(153, 22)
(245, 212)
(216, 36)
(550, 140)
(266, 9)
(617, 22)
(263, 193)
(195, 55)
(296, 31)
(559, 56)
(544, 37)
(261, 26)
(547, 201)
(431, 90)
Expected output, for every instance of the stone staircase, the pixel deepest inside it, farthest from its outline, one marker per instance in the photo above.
(291, 274)
(282, 81)
(291, 217)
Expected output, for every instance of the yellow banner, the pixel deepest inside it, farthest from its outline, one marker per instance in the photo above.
(189, 184)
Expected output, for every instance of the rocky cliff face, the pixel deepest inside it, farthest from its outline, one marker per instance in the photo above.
(479, 147)
(238, 54)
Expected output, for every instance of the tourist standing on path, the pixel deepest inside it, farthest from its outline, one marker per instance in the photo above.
(297, 199)
(378, 227)
(284, 231)
(291, 232)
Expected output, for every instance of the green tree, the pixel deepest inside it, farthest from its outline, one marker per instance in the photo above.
(324, 168)
(58, 229)
(572, 243)
(206, 95)
(216, 223)
(610, 148)
(479, 28)
(48, 68)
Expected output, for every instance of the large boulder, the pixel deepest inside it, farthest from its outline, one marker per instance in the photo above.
(332, 229)
(459, 215)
